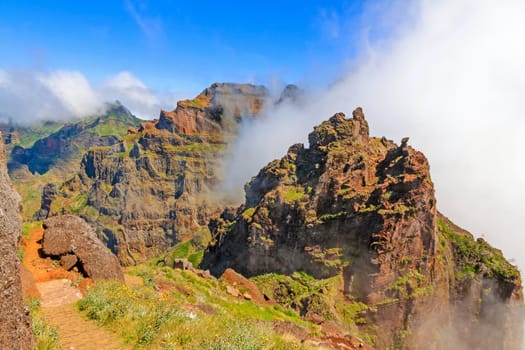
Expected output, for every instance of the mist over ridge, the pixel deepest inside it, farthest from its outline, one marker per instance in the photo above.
(452, 79)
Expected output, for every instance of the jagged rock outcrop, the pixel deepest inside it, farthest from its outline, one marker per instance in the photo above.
(291, 93)
(15, 322)
(49, 194)
(152, 193)
(364, 209)
(217, 109)
(75, 243)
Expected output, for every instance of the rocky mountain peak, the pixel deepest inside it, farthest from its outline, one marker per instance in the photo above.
(340, 129)
(216, 109)
(363, 210)
(117, 108)
(291, 93)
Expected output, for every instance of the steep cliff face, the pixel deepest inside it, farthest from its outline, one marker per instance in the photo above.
(149, 190)
(217, 110)
(15, 323)
(362, 210)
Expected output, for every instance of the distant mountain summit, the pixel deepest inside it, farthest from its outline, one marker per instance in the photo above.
(216, 110)
(70, 141)
(361, 210)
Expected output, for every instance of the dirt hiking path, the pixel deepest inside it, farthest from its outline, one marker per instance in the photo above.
(58, 294)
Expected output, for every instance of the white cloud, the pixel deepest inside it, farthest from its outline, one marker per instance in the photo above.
(132, 93)
(27, 96)
(72, 90)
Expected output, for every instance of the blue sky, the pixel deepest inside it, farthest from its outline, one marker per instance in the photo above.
(182, 45)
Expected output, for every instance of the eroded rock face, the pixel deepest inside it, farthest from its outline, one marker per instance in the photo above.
(72, 240)
(364, 209)
(148, 195)
(15, 323)
(217, 109)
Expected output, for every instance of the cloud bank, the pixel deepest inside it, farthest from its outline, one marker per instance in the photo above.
(27, 96)
(451, 76)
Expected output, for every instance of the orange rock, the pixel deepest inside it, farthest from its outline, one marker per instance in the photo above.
(233, 291)
(236, 279)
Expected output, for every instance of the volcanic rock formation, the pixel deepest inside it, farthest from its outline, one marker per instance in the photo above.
(75, 243)
(15, 322)
(148, 191)
(363, 209)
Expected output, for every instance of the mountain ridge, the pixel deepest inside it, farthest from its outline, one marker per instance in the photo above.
(364, 209)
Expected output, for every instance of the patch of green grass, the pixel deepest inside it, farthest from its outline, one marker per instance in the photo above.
(410, 281)
(352, 312)
(28, 136)
(196, 258)
(472, 254)
(77, 204)
(46, 336)
(110, 129)
(329, 216)
(28, 226)
(181, 250)
(248, 213)
(193, 250)
(293, 194)
(201, 101)
(147, 320)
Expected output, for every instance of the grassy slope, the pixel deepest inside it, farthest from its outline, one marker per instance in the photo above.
(178, 309)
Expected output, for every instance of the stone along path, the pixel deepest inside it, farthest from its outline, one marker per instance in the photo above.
(57, 298)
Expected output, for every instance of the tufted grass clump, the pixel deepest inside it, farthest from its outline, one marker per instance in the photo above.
(293, 194)
(147, 319)
(46, 336)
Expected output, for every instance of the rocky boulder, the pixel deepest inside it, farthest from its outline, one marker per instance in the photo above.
(75, 243)
(15, 322)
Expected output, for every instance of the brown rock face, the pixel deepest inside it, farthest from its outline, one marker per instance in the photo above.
(216, 109)
(151, 193)
(363, 209)
(240, 282)
(71, 238)
(15, 323)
